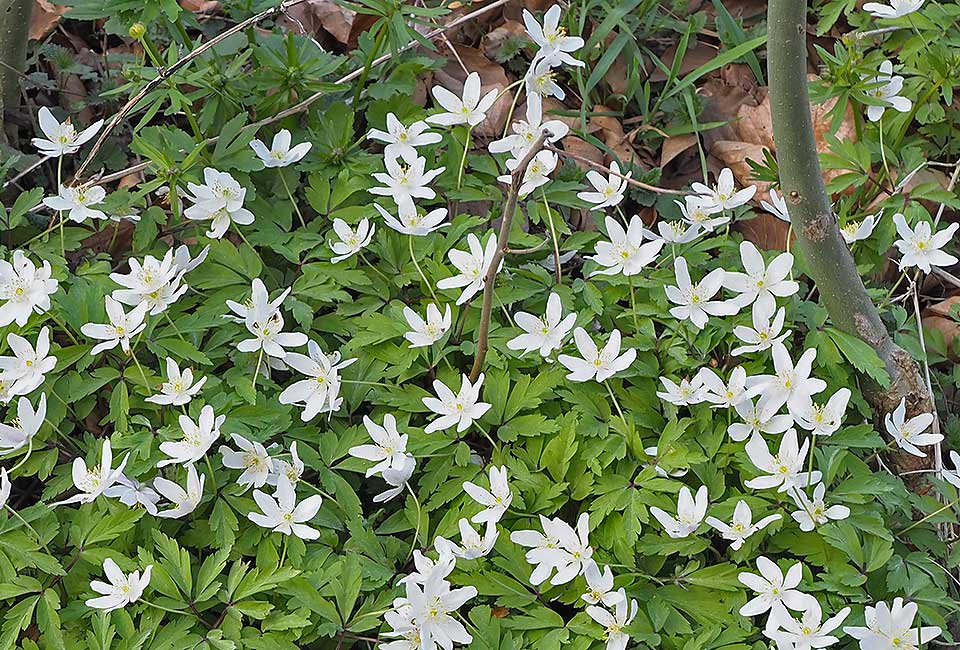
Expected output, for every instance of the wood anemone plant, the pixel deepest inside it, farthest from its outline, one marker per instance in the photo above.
(828, 260)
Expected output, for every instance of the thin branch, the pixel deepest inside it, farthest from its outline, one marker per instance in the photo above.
(165, 73)
(631, 181)
(510, 207)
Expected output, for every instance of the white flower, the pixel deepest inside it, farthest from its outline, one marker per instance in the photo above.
(389, 449)
(599, 585)
(690, 513)
(545, 333)
(183, 261)
(197, 438)
(5, 487)
(269, 336)
(555, 46)
(775, 591)
(155, 283)
(952, 476)
(282, 513)
(184, 501)
(427, 332)
(407, 181)
(761, 283)
(431, 607)
(396, 477)
(26, 369)
(810, 631)
(179, 388)
(896, 8)
(560, 547)
(252, 458)
(791, 385)
(525, 133)
(132, 492)
(25, 427)
(623, 614)
(755, 421)
(25, 288)
(921, 247)
(259, 306)
(695, 301)
(76, 201)
(473, 267)
(854, 231)
(625, 252)
(910, 434)
(674, 232)
(219, 199)
(535, 175)
(687, 392)
(596, 364)
(777, 206)
(541, 80)
(472, 545)
(495, 501)
(122, 326)
(94, 480)
(608, 191)
(721, 394)
(460, 409)
(471, 109)
(61, 138)
(702, 212)
(409, 221)
(351, 242)
(741, 526)
(891, 628)
(764, 332)
(122, 590)
(320, 393)
(403, 140)
(888, 87)
(724, 196)
(824, 419)
(786, 469)
(292, 469)
(280, 153)
(814, 513)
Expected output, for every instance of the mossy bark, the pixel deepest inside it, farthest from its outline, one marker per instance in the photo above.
(818, 238)
(14, 29)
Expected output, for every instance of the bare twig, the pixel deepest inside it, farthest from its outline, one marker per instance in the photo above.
(165, 73)
(631, 181)
(510, 207)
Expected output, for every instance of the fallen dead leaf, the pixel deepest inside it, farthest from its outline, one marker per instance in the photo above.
(492, 77)
(938, 317)
(493, 41)
(610, 131)
(693, 58)
(675, 145)
(312, 16)
(200, 6)
(44, 18)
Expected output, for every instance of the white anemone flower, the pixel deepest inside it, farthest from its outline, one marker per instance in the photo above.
(282, 514)
(555, 45)
(765, 332)
(921, 247)
(784, 470)
(409, 221)
(184, 501)
(742, 525)
(403, 140)
(702, 212)
(351, 241)
(724, 195)
(179, 388)
(690, 513)
(894, 8)
(854, 231)
(537, 173)
(625, 252)
(122, 590)
(472, 266)
(608, 192)
(911, 434)
(470, 109)
(694, 302)
(22, 430)
(24, 288)
(815, 512)
(595, 363)
(887, 89)
(424, 333)
(92, 481)
(122, 326)
(459, 409)
(544, 333)
(26, 370)
(76, 202)
(62, 138)
(252, 458)
(891, 628)
(777, 206)
(280, 153)
(197, 438)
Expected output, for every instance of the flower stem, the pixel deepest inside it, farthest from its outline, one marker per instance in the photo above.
(373, 267)
(553, 236)
(463, 159)
(256, 371)
(62, 326)
(932, 514)
(213, 477)
(616, 405)
(29, 527)
(173, 325)
(166, 609)
(63, 250)
(633, 306)
(416, 531)
(25, 458)
(423, 277)
(143, 375)
(296, 208)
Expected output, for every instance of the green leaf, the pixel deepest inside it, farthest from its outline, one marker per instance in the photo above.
(863, 357)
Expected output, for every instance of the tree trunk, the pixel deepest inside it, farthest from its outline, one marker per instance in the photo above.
(14, 28)
(818, 239)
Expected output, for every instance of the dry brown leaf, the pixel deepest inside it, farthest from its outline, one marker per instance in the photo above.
(612, 134)
(313, 16)
(692, 59)
(201, 6)
(939, 317)
(44, 19)
(675, 145)
(494, 39)
(492, 77)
